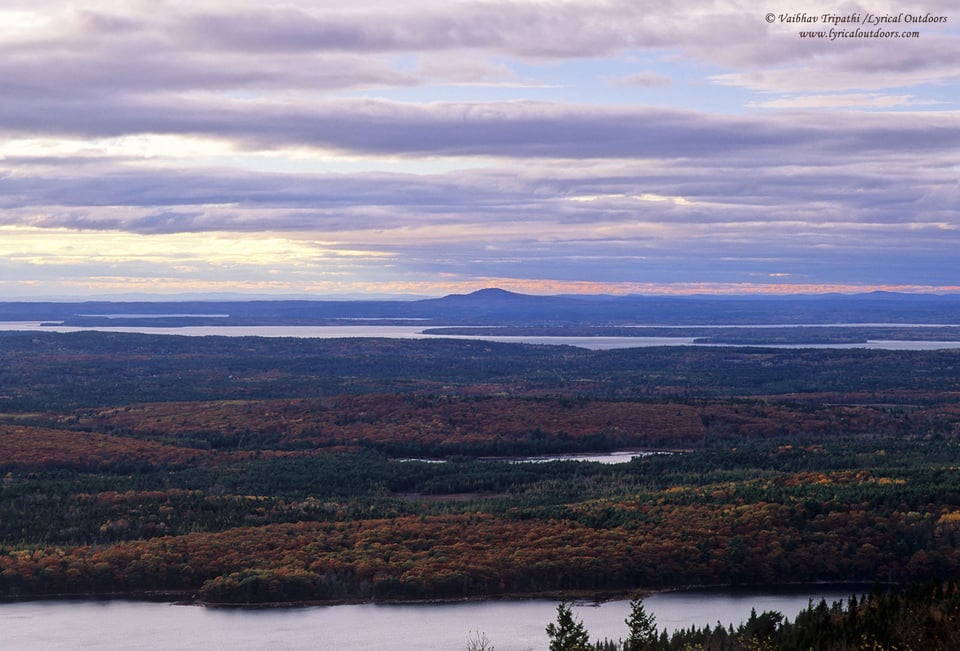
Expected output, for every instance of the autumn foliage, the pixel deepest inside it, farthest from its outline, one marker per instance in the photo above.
(39, 447)
(257, 487)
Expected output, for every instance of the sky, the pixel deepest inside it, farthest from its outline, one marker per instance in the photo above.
(426, 147)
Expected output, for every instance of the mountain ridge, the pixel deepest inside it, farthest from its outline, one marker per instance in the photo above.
(496, 306)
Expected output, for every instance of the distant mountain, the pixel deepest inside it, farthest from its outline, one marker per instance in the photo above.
(495, 306)
(491, 294)
(488, 297)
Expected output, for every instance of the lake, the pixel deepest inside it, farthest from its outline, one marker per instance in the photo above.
(509, 625)
(416, 332)
(607, 458)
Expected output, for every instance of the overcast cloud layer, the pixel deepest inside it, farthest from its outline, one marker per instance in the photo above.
(542, 146)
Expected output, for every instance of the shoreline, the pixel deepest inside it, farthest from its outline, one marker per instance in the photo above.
(596, 597)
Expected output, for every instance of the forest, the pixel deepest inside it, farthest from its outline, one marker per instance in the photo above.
(922, 616)
(251, 470)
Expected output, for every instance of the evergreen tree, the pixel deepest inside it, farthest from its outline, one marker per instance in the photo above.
(567, 634)
(642, 627)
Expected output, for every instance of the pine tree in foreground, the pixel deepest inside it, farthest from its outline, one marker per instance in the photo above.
(567, 634)
(641, 627)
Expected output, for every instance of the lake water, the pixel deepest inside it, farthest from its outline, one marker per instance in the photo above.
(416, 332)
(607, 458)
(508, 625)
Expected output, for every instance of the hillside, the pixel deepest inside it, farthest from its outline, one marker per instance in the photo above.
(251, 470)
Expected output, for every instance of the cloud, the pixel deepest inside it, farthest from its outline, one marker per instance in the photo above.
(518, 28)
(842, 100)
(641, 79)
(500, 129)
(150, 47)
(573, 141)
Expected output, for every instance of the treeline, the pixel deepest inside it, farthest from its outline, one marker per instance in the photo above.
(355, 527)
(740, 335)
(420, 557)
(923, 616)
(68, 504)
(50, 371)
(441, 426)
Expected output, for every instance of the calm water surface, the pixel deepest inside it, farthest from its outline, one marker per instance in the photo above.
(509, 625)
(416, 332)
(607, 458)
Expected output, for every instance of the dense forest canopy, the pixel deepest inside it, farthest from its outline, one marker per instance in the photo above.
(242, 470)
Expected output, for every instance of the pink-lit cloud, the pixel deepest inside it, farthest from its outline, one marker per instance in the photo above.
(426, 147)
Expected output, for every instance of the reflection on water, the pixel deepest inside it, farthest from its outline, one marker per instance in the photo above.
(509, 625)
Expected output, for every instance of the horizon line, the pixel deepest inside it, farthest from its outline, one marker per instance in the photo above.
(666, 292)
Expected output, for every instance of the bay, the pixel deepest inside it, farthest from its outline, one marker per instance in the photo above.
(416, 332)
